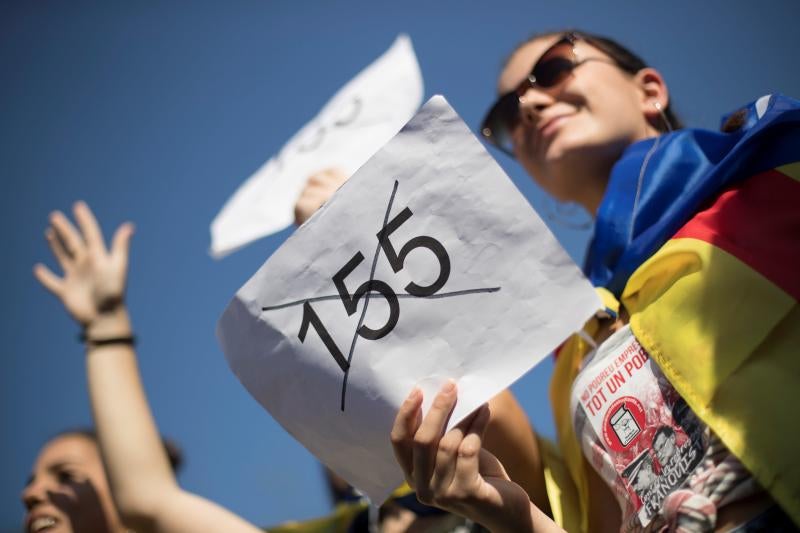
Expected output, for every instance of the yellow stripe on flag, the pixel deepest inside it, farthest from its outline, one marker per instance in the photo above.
(792, 170)
(727, 339)
(570, 502)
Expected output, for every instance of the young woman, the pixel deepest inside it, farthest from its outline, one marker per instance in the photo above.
(670, 405)
(143, 486)
(68, 489)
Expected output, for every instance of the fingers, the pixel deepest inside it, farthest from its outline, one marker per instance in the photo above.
(446, 457)
(57, 247)
(313, 198)
(408, 419)
(50, 281)
(70, 238)
(330, 178)
(307, 204)
(446, 469)
(89, 226)
(470, 449)
(318, 190)
(317, 180)
(121, 244)
(426, 440)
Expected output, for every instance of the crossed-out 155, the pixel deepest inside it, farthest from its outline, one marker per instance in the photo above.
(374, 286)
(350, 300)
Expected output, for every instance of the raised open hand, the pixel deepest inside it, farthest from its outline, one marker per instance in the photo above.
(94, 278)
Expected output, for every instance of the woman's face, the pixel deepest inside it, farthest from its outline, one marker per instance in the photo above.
(570, 135)
(68, 491)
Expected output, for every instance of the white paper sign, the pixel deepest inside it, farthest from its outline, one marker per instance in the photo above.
(468, 283)
(358, 120)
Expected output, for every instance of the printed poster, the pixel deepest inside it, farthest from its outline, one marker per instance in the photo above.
(646, 430)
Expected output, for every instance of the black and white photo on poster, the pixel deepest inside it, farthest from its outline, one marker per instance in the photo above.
(640, 434)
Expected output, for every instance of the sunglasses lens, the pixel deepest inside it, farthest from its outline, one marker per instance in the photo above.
(553, 71)
(555, 65)
(500, 121)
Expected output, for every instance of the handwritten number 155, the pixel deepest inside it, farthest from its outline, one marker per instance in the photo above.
(350, 301)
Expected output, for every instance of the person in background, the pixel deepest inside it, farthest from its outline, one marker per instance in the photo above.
(143, 486)
(68, 491)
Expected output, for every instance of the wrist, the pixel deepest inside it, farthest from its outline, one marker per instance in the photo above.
(113, 323)
(524, 516)
(515, 514)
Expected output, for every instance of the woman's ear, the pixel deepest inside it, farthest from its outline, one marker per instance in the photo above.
(654, 95)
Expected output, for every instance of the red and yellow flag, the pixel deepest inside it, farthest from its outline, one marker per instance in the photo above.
(716, 308)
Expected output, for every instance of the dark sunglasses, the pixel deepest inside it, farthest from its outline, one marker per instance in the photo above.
(553, 67)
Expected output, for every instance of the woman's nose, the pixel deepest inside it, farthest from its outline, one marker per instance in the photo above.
(35, 492)
(531, 104)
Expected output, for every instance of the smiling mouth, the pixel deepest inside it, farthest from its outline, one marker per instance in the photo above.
(43, 523)
(549, 127)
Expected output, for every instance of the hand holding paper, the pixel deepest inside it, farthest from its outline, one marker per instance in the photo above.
(453, 470)
(427, 264)
(318, 189)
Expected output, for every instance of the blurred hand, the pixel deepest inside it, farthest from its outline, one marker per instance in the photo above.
(319, 188)
(452, 470)
(94, 278)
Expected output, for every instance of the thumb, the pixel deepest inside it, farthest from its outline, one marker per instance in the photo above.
(50, 281)
(120, 245)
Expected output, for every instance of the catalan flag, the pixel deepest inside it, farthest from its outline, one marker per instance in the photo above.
(716, 308)
(661, 183)
(699, 236)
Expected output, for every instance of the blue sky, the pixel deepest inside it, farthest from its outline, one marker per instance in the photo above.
(156, 111)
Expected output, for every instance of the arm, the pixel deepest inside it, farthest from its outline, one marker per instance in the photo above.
(92, 291)
(453, 471)
(511, 439)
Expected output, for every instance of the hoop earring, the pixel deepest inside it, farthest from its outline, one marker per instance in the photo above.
(664, 117)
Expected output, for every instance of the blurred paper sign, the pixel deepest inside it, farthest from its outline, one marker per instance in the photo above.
(368, 111)
(427, 264)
